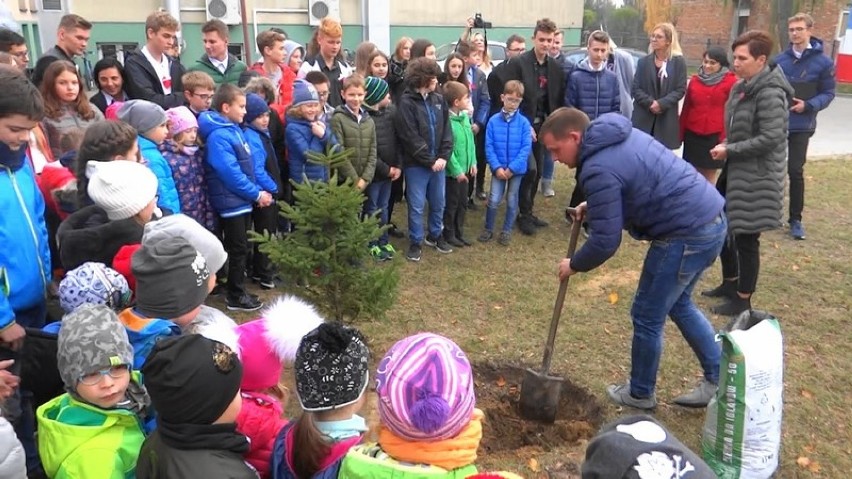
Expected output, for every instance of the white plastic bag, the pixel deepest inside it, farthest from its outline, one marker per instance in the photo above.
(742, 430)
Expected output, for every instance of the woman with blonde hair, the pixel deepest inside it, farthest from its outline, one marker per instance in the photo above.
(478, 40)
(658, 86)
(396, 67)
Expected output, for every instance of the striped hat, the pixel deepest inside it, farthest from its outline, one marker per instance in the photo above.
(425, 388)
(376, 90)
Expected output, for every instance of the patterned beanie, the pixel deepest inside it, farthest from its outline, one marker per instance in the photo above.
(90, 339)
(304, 92)
(93, 283)
(377, 89)
(180, 120)
(332, 367)
(425, 388)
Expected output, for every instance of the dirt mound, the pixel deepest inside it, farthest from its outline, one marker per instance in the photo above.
(498, 392)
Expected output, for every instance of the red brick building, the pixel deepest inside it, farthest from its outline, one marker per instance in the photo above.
(707, 22)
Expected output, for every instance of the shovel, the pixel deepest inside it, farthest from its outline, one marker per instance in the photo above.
(540, 392)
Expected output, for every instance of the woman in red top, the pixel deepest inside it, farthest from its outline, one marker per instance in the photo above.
(702, 120)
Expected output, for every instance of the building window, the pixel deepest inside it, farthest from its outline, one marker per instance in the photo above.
(236, 49)
(51, 5)
(116, 50)
(742, 25)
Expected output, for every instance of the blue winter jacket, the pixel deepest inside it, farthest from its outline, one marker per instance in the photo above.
(228, 166)
(479, 97)
(633, 182)
(594, 92)
(254, 138)
(24, 255)
(166, 189)
(814, 72)
(508, 144)
(301, 140)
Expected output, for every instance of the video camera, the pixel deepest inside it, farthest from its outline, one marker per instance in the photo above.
(478, 22)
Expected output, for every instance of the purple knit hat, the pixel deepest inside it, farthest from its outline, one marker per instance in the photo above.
(425, 388)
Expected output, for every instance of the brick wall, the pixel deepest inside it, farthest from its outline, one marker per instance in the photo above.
(703, 22)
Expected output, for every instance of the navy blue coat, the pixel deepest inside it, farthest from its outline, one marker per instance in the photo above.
(301, 140)
(594, 92)
(228, 165)
(479, 97)
(814, 71)
(633, 182)
(424, 129)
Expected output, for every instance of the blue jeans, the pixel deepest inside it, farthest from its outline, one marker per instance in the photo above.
(422, 185)
(498, 189)
(672, 268)
(378, 197)
(547, 165)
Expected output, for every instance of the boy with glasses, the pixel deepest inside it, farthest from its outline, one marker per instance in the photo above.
(14, 44)
(322, 85)
(198, 89)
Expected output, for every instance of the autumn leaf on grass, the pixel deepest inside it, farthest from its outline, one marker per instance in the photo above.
(804, 462)
(501, 381)
(807, 394)
(795, 267)
(613, 297)
(533, 465)
(814, 467)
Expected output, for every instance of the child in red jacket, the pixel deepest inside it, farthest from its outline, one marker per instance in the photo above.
(265, 344)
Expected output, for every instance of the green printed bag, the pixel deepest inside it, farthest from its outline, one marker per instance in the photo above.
(742, 430)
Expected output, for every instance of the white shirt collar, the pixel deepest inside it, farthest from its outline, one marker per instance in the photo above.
(219, 64)
(111, 99)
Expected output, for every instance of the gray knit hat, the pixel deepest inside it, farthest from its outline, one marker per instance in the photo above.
(142, 115)
(171, 278)
(91, 338)
(187, 228)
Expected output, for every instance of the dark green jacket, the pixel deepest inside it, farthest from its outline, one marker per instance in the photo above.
(360, 135)
(232, 72)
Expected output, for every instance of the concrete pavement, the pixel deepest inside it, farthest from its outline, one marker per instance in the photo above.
(834, 130)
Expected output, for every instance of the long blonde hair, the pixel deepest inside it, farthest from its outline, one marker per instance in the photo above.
(486, 53)
(671, 35)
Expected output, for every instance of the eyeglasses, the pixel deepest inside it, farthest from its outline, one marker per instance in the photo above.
(23, 54)
(796, 29)
(203, 97)
(114, 372)
(322, 94)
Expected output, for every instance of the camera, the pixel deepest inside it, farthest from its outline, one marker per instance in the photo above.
(478, 22)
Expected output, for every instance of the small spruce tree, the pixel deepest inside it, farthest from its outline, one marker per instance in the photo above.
(328, 253)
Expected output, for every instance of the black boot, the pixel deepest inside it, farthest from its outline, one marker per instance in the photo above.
(728, 289)
(733, 306)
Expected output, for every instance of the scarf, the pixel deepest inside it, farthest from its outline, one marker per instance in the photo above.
(448, 454)
(355, 426)
(711, 79)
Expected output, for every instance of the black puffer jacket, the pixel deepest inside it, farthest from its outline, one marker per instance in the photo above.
(211, 452)
(89, 235)
(424, 129)
(387, 144)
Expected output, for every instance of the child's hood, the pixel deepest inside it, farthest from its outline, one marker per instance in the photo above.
(460, 118)
(210, 121)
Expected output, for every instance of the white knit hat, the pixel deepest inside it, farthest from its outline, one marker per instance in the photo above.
(121, 188)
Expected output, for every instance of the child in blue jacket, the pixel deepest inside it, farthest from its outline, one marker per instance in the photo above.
(306, 132)
(233, 186)
(150, 120)
(508, 144)
(25, 256)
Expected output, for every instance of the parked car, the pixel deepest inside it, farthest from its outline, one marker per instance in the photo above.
(496, 49)
(573, 55)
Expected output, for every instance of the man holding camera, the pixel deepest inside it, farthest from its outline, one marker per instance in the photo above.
(544, 89)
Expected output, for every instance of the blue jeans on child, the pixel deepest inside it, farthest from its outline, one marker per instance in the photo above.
(378, 197)
(422, 185)
(499, 187)
(547, 165)
(672, 268)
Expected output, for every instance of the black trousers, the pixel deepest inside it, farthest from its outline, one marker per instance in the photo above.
(265, 219)
(455, 208)
(741, 259)
(235, 239)
(397, 193)
(577, 196)
(481, 165)
(529, 185)
(797, 153)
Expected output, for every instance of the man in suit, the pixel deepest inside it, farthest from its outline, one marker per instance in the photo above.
(151, 74)
(544, 89)
(71, 41)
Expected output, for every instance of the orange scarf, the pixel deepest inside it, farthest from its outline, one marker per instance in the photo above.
(448, 454)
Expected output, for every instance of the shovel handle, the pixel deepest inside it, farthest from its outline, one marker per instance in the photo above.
(560, 300)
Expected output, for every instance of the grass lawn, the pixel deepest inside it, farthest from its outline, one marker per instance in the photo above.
(496, 302)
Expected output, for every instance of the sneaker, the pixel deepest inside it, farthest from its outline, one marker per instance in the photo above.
(442, 246)
(538, 222)
(620, 394)
(547, 188)
(480, 195)
(504, 239)
(378, 253)
(526, 226)
(698, 397)
(414, 252)
(797, 230)
(265, 283)
(485, 236)
(453, 241)
(244, 303)
(728, 289)
(733, 306)
(430, 241)
(389, 250)
(464, 241)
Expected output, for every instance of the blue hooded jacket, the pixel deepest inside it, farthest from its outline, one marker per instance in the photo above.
(301, 140)
(633, 182)
(166, 189)
(255, 139)
(228, 165)
(813, 71)
(508, 143)
(24, 256)
(594, 92)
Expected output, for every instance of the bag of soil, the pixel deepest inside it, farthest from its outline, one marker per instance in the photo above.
(742, 430)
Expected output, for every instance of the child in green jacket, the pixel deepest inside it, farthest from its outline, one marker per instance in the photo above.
(462, 164)
(95, 429)
(354, 128)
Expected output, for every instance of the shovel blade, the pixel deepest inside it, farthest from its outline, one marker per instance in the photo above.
(540, 395)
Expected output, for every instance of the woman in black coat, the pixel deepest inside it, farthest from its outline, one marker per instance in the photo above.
(109, 74)
(658, 86)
